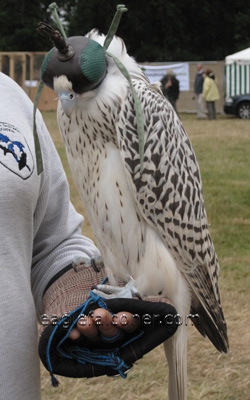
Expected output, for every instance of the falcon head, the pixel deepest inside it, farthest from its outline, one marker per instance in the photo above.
(67, 96)
(79, 64)
(79, 59)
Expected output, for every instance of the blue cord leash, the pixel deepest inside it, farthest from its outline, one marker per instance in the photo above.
(84, 355)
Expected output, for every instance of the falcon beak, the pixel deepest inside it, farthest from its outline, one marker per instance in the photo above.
(68, 101)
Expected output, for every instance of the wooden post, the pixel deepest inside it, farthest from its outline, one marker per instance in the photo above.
(12, 66)
(31, 55)
(23, 69)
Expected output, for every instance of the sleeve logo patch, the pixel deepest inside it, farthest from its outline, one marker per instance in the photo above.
(15, 153)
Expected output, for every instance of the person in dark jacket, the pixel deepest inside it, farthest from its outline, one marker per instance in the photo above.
(198, 87)
(171, 87)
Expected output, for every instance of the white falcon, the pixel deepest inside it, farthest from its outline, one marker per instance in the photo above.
(148, 215)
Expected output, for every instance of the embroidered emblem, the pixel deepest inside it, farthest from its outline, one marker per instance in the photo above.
(15, 153)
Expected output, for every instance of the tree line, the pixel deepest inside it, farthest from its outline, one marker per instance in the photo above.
(153, 30)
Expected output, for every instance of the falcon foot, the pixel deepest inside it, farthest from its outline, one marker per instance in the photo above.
(128, 291)
(80, 261)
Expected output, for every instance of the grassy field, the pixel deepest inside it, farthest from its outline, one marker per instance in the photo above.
(223, 151)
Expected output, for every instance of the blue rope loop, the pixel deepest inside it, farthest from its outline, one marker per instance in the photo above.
(85, 355)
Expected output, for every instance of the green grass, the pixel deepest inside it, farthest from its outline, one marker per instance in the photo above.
(223, 151)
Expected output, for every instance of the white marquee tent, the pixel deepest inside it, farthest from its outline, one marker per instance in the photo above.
(237, 70)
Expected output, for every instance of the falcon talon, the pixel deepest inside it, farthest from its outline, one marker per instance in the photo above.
(93, 265)
(137, 294)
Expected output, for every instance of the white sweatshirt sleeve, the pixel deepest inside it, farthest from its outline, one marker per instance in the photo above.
(57, 226)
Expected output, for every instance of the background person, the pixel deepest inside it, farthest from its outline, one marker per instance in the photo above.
(198, 88)
(171, 87)
(210, 93)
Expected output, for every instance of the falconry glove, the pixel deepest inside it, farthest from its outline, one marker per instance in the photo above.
(70, 298)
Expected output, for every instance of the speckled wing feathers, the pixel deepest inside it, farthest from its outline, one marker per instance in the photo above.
(169, 196)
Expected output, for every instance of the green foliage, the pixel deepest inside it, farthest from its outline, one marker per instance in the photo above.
(18, 22)
(159, 30)
(153, 30)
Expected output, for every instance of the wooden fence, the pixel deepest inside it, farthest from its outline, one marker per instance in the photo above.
(24, 68)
